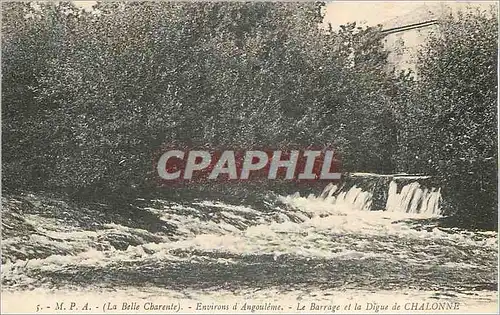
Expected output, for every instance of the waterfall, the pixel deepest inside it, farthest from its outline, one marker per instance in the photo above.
(360, 191)
(413, 199)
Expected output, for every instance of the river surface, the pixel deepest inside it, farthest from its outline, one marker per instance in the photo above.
(285, 250)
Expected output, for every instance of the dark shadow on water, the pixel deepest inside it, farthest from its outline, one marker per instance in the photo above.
(449, 224)
(264, 271)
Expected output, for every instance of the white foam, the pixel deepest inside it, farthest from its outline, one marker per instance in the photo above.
(329, 230)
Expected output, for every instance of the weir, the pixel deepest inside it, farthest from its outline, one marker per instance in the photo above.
(414, 194)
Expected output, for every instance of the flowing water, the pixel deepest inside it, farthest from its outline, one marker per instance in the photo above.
(328, 248)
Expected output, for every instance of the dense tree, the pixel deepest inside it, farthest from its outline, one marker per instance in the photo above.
(89, 96)
(108, 88)
(451, 115)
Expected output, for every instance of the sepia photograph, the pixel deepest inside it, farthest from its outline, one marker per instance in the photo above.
(249, 157)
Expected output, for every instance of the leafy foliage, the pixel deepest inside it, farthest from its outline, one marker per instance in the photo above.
(451, 114)
(109, 89)
(89, 97)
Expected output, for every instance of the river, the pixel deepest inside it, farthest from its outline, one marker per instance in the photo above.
(283, 249)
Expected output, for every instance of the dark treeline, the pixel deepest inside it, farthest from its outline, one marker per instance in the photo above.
(88, 97)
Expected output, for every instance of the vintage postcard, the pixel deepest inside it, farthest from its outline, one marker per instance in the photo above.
(260, 157)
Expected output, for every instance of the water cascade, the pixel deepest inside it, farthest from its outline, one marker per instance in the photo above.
(395, 193)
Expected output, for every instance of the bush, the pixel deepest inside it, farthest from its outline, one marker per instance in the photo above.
(90, 97)
(451, 115)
